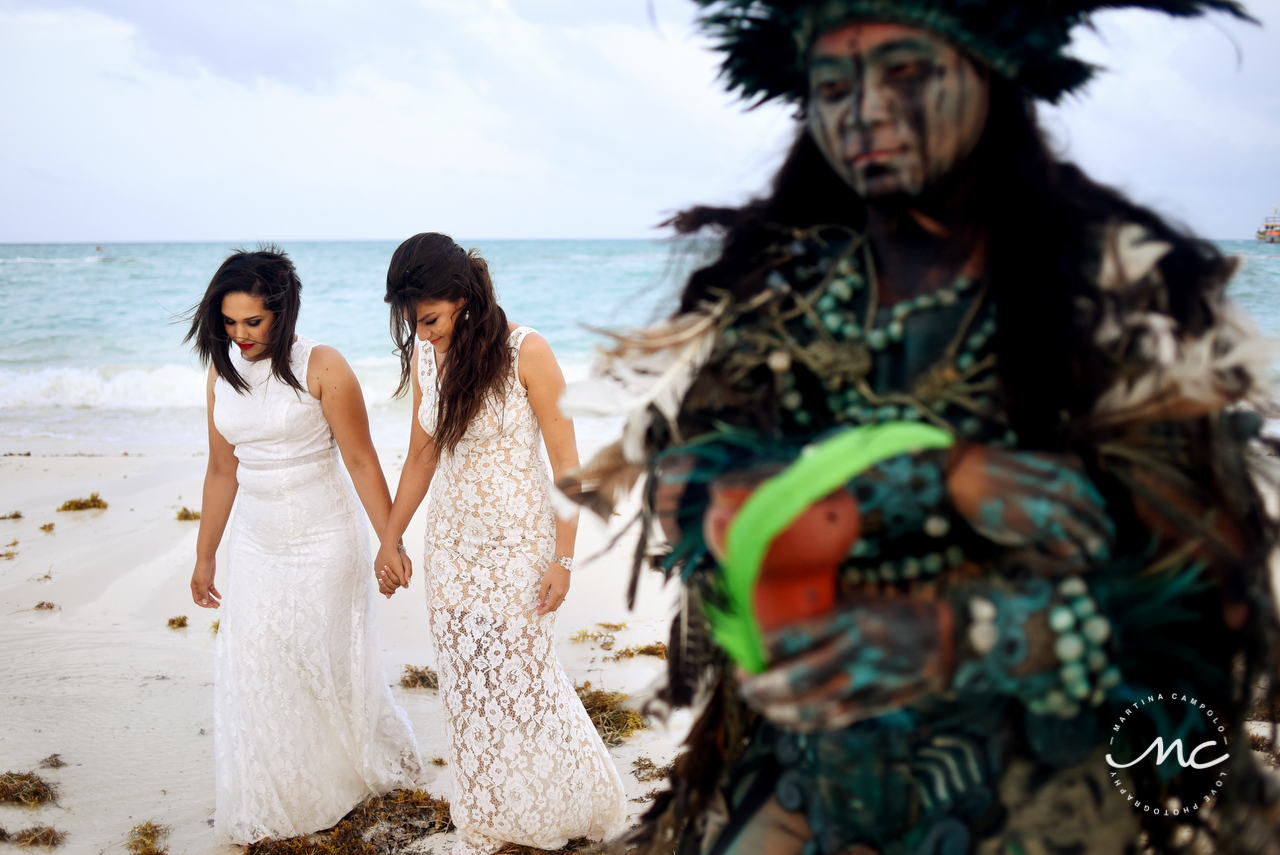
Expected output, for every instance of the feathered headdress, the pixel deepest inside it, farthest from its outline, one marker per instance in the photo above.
(766, 42)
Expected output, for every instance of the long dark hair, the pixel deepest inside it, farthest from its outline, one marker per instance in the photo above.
(1044, 218)
(268, 274)
(431, 266)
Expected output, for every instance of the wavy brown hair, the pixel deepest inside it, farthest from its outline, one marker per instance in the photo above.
(431, 266)
(269, 275)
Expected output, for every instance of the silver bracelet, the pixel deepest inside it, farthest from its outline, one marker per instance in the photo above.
(400, 546)
(565, 561)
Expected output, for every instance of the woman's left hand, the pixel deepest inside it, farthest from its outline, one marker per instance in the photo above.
(873, 656)
(553, 588)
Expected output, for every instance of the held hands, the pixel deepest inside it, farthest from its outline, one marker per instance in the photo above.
(879, 654)
(1036, 500)
(553, 588)
(873, 656)
(392, 568)
(203, 592)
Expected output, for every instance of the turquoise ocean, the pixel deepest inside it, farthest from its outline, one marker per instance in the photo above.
(91, 350)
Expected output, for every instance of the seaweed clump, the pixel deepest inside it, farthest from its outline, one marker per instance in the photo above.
(27, 789)
(1262, 744)
(40, 835)
(12, 515)
(47, 528)
(658, 649)
(577, 845)
(186, 514)
(213, 627)
(53, 761)
(379, 826)
(612, 719)
(419, 678)
(178, 622)
(646, 770)
(94, 501)
(45, 606)
(144, 839)
(438, 761)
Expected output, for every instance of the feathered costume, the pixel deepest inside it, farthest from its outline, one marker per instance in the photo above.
(1006, 753)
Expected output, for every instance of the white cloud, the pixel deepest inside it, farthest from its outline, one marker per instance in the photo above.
(290, 119)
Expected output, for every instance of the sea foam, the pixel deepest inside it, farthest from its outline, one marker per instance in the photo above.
(169, 386)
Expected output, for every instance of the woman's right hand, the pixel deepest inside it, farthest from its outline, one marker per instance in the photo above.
(392, 568)
(203, 592)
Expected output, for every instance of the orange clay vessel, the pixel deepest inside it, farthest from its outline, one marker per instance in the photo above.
(798, 576)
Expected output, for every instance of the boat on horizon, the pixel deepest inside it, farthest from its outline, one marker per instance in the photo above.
(1269, 231)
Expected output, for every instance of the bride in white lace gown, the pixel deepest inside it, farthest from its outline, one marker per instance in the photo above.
(305, 727)
(526, 764)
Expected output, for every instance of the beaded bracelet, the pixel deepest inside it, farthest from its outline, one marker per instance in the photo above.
(1085, 673)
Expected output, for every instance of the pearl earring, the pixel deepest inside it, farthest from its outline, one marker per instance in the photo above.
(467, 316)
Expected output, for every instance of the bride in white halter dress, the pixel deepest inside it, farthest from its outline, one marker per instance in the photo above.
(305, 726)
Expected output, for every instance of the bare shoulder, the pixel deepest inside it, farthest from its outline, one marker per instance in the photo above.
(536, 348)
(325, 354)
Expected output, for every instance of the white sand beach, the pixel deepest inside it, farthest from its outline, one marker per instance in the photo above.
(126, 702)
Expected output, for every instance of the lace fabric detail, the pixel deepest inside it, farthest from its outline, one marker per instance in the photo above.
(526, 764)
(305, 726)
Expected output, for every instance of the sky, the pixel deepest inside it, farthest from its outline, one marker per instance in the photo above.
(241, 120)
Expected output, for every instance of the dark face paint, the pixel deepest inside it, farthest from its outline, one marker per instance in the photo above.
(893, 108)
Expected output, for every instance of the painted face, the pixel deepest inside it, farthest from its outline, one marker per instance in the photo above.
(248, 324)
(893, 108)
(435, 322)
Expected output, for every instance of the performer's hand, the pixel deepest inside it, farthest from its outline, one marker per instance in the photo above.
(872, 657)
(392, 569)
(553, 588)
(203, 592)
(1031, 499)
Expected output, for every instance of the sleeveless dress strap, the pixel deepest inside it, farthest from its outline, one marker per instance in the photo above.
(515, 340)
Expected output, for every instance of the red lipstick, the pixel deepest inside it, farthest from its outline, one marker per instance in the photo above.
(244, 347)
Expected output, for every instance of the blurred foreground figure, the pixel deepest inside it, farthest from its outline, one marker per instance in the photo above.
(954, 454)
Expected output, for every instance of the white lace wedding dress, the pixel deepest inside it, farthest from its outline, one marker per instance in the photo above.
(305, 727)
(526, 764)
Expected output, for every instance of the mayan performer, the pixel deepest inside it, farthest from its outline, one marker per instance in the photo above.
(955, 453)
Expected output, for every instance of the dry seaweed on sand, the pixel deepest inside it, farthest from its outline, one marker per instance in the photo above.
(612, 627)
(47, 527)
(658, 649)
(12, 515)
(178, 622)
(1261, 742)
(419, 678)
(213, 627)
(613, 720)
(27, 789)
(9, 556)
(577, 845)
(646, 770)
(14, 542)
(438, 761)
(144, 839)
(53, 761)
(605, 639)
(186, 514)
(83, 504)
(379, 826)
(40, 835)
(46, 606)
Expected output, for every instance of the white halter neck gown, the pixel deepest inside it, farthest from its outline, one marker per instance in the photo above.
(305, 727)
